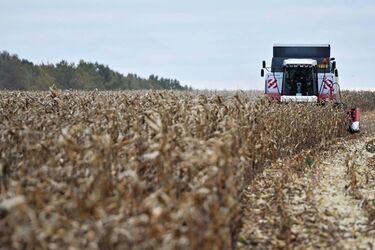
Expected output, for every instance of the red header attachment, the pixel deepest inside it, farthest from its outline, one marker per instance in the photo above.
(355, 114)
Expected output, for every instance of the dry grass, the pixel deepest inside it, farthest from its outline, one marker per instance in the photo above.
(140, 170)
(365, 100)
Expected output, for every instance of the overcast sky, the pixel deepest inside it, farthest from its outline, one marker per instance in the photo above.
(214, 44)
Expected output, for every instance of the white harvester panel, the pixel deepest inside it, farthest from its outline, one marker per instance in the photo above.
(326, 83)
(296, 98)
(299, 62)
(274, 82)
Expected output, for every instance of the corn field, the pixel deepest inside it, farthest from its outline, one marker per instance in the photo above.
(141, 169)
(362, 99)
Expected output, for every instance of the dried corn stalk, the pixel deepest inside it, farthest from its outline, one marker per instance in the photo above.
(140, 170)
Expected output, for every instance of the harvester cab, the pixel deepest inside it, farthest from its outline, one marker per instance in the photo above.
(304, 74)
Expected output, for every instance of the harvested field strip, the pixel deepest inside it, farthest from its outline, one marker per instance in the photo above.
(325, 204)
(95, 170)
(368, 123)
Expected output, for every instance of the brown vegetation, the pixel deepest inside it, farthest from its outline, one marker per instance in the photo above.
(365, 100)
(140, 170)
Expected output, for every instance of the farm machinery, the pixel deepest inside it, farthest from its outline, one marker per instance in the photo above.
(305, 74)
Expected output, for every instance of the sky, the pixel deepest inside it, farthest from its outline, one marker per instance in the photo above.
(212, 44)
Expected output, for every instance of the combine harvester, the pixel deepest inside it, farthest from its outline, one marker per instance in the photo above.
(305, 74)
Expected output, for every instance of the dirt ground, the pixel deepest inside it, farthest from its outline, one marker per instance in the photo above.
(324, 198)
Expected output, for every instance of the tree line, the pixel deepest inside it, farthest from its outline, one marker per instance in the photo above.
(21, 74)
